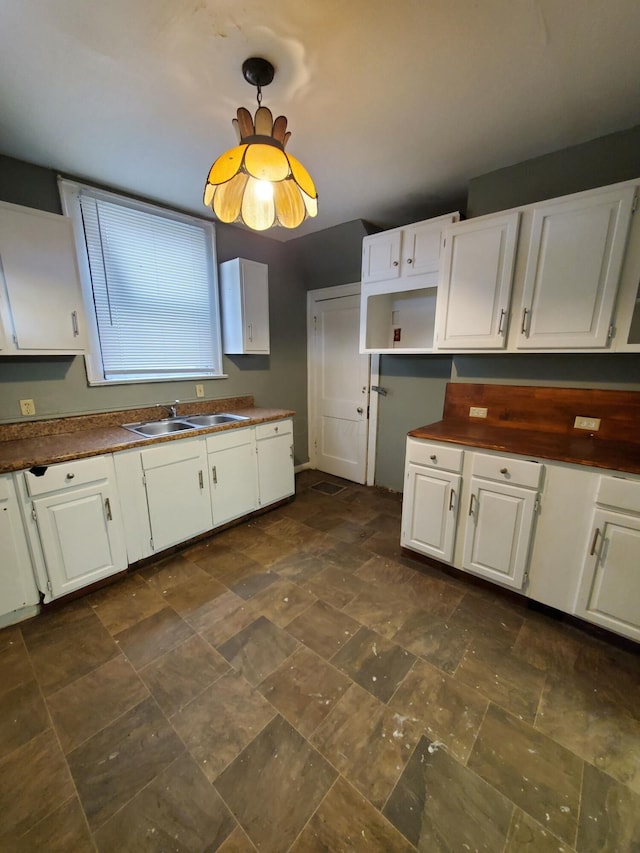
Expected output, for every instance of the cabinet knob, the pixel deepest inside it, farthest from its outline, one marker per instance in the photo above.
(395, 263)
(409, 260)
(504, 470)
(359, 410)
(70, 476)
(275, 429)
(433, 457)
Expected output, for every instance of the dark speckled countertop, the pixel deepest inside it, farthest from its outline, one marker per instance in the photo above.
(579, 450)
(24, 444)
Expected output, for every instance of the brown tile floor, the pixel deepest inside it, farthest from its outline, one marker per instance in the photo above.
(294, 683)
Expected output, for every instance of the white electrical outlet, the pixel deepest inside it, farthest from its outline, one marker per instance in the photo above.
(199, 390)
(592, 424)
(477, 412)
(27, 407)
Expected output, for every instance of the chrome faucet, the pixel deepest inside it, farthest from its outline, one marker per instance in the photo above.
(172, 409)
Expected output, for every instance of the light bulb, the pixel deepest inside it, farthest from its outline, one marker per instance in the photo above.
(264, 190)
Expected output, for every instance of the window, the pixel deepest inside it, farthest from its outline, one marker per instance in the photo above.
(150, 288)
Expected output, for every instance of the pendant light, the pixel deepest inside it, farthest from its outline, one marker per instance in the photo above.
(257, 183)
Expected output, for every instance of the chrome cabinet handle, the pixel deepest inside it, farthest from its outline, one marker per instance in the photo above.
(251, 331)
(471, 505)
(74, 323)
(452, 496)
(523, 327)
(201, 479)
(503, 314)
(291, 451)
(595, 540)
(107, 507)
(214, 474)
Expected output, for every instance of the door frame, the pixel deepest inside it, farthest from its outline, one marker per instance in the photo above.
(320, 295)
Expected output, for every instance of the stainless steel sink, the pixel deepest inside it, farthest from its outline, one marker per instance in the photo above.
(162, 427)
(214, 420)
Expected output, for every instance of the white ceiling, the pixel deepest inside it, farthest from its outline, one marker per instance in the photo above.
(393, 104)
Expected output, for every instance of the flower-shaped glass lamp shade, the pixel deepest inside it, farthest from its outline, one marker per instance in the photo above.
(257, 182)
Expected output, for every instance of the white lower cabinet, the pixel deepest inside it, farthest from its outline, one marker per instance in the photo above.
(177, 491)
(75, 529)
(274, 450)
(232, 471)
(500, 519)
(17, 584)
(609, 587)
(564, 535)
(431, 499)
(173, 491)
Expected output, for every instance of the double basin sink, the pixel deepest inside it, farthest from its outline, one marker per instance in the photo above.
(167, 426)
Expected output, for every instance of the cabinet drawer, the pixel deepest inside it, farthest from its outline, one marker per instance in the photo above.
(435, 455)
(228, 439)
(66, 475)
(620, 493)
(506, 469)
(274, 428)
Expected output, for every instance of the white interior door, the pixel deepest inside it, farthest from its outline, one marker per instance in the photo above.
(339, 386)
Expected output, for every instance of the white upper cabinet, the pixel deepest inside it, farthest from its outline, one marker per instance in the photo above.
(412, 250)
(40, 297)
(244, 290)
(381, 256)
(399, 287)
(476, 275)
(574, 260)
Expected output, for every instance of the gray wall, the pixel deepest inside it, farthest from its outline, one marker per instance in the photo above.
(58, 385)
(415, 384)
(415, 395)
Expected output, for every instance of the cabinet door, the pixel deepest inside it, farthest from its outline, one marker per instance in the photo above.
(244, 294)
(475, 283)
(275, 468)
(17, 584)
(421, 248)
(498, 531)
(573, 268)
(177, 489)
(255, 298)
(381, 256)
(81, 535)
(609, 591)
(38, 259)
(429, 511)
(232, 470)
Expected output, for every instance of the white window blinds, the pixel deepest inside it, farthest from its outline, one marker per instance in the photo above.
(154, 291)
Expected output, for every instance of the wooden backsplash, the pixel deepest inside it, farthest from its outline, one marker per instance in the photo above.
(545, 409)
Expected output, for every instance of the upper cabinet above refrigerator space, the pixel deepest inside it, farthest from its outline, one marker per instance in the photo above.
(400, 271)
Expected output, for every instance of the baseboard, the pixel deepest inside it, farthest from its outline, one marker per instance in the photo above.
(303, 467)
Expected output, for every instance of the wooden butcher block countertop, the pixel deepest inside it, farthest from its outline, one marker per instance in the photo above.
(539, 422)
(23, 445)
